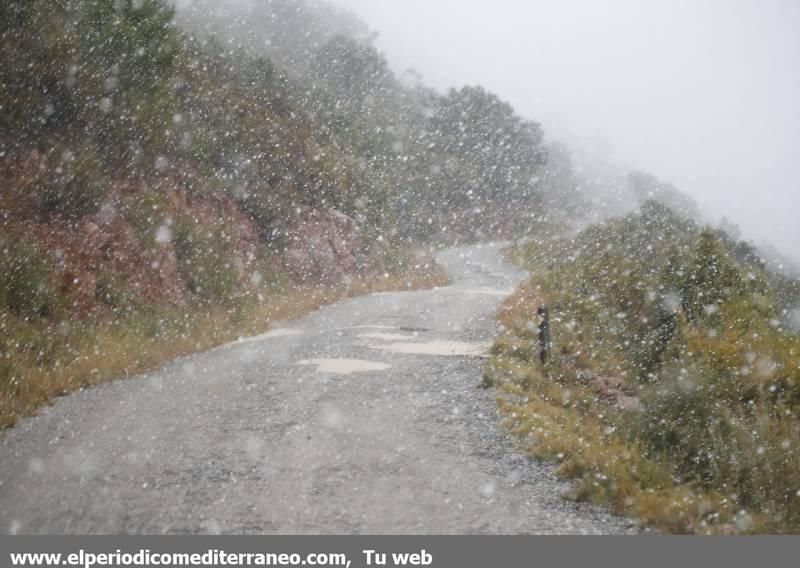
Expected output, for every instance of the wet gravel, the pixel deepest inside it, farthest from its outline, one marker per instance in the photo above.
(245, 439)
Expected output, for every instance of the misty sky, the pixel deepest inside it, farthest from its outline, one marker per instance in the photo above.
(701, 93)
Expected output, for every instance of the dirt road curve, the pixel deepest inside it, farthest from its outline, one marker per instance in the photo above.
(364, 417)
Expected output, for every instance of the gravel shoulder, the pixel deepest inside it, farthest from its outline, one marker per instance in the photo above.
(363, 417)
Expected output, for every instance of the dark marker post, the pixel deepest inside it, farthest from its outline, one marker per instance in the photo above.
(544, 333)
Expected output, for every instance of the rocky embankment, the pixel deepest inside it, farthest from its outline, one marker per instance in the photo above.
(157, 240)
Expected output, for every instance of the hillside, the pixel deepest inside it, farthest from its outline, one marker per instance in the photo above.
(160, 194)
(672, 389)
(161, 178)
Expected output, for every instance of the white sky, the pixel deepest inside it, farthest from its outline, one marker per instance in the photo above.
(704, 94)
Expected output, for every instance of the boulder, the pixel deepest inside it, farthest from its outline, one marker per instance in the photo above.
(612, 391)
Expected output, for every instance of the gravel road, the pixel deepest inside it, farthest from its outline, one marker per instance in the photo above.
(363, 417)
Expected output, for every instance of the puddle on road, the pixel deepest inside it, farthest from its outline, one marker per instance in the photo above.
(388, 336)
(439, 348)
(280, 332)
(372, 327)
(500, 293)
(344, 366)
(271, 334)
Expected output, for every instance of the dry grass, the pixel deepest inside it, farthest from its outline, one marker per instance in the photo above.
(560, 418)
(87, 355)
(683, 418)
(563, 421)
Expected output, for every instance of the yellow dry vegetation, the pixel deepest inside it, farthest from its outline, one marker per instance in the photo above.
(87, 354)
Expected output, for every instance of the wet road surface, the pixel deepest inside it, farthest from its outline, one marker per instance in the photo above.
(363, 417)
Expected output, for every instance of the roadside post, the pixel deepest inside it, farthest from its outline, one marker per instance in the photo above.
(545, 343)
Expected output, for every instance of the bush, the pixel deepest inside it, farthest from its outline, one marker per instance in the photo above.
(649, 297)
(73, 185)
(24, 287)
(147, 212)
(112, 291)
(206, 262)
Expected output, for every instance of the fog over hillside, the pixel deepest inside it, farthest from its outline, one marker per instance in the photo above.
(700, 94)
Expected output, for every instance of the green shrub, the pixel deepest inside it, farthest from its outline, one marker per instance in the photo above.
(206, 262)
(73, 185)
(24, 286)
(112, 291)
(648, 296)
(146, 212)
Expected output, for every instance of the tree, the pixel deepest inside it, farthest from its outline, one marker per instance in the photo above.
(105, 67)
(488, 160)
(352, 73)
(712, 279)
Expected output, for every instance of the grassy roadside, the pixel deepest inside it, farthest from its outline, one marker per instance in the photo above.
(559, 417)
(55, 360)
(683, 418)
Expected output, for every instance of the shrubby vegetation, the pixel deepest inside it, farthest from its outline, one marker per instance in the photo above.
(674, 387)
(24, 288)
(421, 165)
(138, 151)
